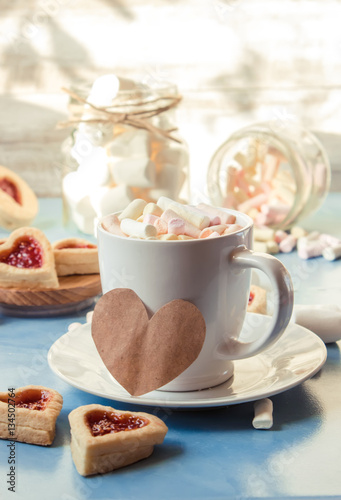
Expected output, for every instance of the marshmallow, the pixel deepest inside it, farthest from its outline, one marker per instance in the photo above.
(106, 200)
(225, 217)
(231, 179)
(130, 143)
(169, 181)
(133, 210)
(184, 237)
(137, 229)
(192, 216)
(153, 209)
(164, 202)
(280, 235)
(214, 234)
(329, 240)
(272, 247)
(288, 244)
(263, 234)
(332, 253)
(111, 224)
(306, 240)
(232, 228)
(137, 171)
(172, 155)
(314, 249)
(148, 219)
(94, 168)
(190, 229)
(260, 246)
(271, 163)
(324, 320)
(161, 226)
(104, 90)
(298, 232)
(263, 414)
(167, 237)
(176, 226)
(254, 202)
(215, 221)
(247, 156)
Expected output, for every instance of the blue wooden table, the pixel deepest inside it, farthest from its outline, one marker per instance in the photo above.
(207, 454)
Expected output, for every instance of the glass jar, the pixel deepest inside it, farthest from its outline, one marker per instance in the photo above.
(278, 174)
(107, 165)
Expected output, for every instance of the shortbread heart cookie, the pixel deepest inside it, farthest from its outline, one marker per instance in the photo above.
(104, 439)
(75, 256)
(26, 261)
(30, 416)
(257, 300)
(142, 354)
(18, 203)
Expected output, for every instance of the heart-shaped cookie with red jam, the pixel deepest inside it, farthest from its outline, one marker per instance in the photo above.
(27, 261)
(34, 410)
(75, 256)
(18, 203)
(104, 439)
(144, 354)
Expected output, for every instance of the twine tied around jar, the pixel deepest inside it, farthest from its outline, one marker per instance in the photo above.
(112, 114)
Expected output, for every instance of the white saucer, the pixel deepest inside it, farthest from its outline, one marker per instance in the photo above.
(297, 356)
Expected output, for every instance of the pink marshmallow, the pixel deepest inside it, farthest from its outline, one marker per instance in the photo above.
(313, 249)
(190, 229)
(161, 226)
(254, 202)
(288, 244)
(232, 228)
(176, 226)
(215, 221)
(214, 234)
(280, 236)
(150, 219)
(225, 218)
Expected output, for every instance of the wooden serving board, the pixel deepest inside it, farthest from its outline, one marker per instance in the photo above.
(72, 290)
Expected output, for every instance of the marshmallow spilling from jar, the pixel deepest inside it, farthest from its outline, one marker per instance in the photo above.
(168, 220)
(117, 164)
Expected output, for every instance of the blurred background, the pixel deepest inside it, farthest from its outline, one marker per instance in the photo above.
(235, 62)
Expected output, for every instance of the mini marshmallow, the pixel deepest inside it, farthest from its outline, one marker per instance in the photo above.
(272, 247)
(192, 216)
(332, 253)
(148, 219)
(271, 163)
(247, 156)
(153, 209)
(263, 418)
(288, 244)
(111, 224)
(184, 237)
(205, 233)
(231, 179)
(133, 210)
(176, 226)
(172, 155)
(276, 212)
(284, 193)
(219, 228)
(129, 143)
(254, 202)
(260, 246)
(94, 168)
(138, 229)
(225, 218)
(314, 249)
(263, 233)
(137, 171)
(329, 240)
(232, 228)
(298, 232)
(190, 229)
(104, 90)
(161, 226)
(280, 235)
(215, 221)
(164, 202)
(214, 234)
(306, 240)
(167, 237)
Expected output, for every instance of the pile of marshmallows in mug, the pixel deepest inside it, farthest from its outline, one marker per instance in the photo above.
(170, 220)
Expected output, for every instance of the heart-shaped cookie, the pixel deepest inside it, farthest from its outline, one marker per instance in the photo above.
(142, 354)
(27, 261)
(104, 439)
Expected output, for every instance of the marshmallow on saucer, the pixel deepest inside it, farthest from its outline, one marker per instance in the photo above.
(324, 320)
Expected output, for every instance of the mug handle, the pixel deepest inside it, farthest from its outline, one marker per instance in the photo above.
(242, 258)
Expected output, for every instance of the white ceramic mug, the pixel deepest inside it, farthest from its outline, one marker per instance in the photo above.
(214, 274)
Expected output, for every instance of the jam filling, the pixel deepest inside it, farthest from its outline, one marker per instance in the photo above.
(11, 189)
(32, 399)
(101, 423)
(26, 253)
(251, 297)
(76, 245)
